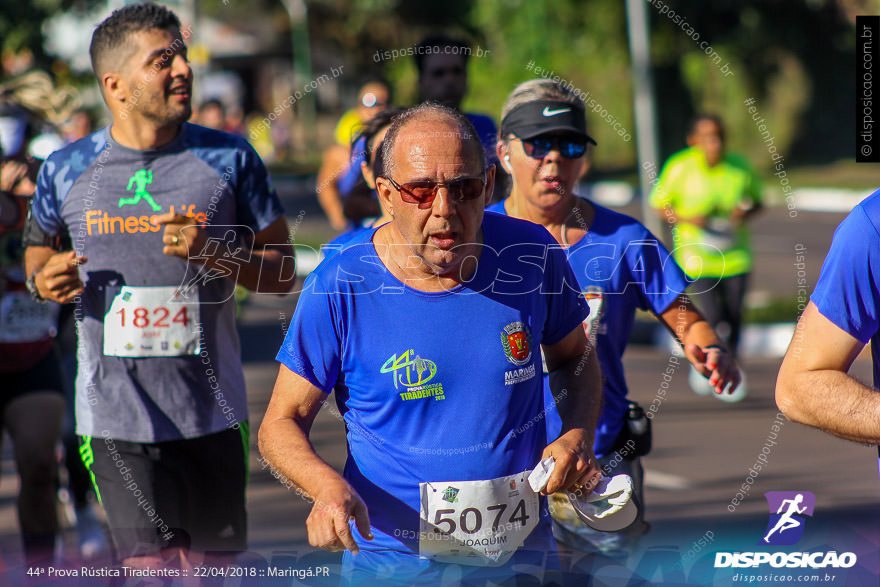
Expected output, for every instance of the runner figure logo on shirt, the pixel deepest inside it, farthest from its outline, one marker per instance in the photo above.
(515, 340)
(786, 525)
(140, 180)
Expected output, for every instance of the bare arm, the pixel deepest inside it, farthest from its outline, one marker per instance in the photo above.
(284, 442)
(813, 387)
(702, 347)
(576, 383)
(335, 161)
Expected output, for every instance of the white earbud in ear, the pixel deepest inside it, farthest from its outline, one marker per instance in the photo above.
(507, 160)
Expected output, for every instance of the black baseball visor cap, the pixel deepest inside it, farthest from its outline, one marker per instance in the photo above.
(542, 116)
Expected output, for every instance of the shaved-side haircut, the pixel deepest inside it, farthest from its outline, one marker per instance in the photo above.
(111, 42)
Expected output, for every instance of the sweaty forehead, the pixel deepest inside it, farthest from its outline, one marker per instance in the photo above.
(432, 148)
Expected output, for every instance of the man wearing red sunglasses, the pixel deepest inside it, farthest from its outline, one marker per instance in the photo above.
(430, 334)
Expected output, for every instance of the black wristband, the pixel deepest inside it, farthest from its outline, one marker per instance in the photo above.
(31, 285)
(715, 346)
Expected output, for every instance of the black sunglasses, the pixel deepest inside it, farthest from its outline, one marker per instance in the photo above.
(568, 147)
(424, 192)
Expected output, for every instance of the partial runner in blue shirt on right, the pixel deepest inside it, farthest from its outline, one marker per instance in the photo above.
(620, 268)
(843, 315)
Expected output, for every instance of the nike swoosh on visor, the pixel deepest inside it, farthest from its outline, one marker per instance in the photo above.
(548, 112)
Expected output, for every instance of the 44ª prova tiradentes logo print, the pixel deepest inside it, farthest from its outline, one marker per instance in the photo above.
(414, 370)
(413, 373)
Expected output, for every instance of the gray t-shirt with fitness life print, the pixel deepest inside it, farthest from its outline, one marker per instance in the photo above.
(170, 367)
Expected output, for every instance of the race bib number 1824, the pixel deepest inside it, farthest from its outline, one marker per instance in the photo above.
(151, 322)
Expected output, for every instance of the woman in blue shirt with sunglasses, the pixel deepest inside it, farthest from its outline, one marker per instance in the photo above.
(620, 267)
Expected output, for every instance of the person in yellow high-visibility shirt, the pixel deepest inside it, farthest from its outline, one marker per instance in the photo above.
(707, 196)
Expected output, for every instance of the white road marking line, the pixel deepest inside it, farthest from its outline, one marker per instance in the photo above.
(666, 481)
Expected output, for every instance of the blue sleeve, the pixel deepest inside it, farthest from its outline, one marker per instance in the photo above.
(45, 207)
(257, 203)
(488, 134)
(652, 267)
(847, 292)
(566, 308)
(349, 178)
(312, 346)
(489, 138)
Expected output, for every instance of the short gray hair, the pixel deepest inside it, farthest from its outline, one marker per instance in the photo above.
(426, 111)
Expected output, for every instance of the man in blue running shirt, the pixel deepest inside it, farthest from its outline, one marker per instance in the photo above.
(843, 315)
(430, 333)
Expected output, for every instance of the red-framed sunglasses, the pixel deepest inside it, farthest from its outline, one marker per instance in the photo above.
(424, 192)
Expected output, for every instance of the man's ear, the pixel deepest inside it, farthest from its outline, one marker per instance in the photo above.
(384, 190)
(490, 185)
(114, 87)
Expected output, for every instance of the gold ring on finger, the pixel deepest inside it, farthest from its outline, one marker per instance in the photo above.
(176, 240)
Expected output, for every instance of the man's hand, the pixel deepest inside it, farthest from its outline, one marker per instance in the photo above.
(327, 523)
(59, 280)
(576, 465)
(716, 364)
(183, 236)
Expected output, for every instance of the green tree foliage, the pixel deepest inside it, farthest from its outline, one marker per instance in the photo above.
(582, 42)
(21, 24)
(795, 57)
